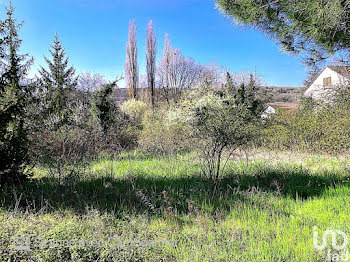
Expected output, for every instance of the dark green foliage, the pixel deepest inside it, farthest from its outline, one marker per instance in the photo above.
(104, 106)
(59, 136)
(117, 130)
(14, 97)
(57, 83)
(229, 83)
(318, 27)
(246, 95)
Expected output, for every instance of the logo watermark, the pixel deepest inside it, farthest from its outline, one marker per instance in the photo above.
(339, 244)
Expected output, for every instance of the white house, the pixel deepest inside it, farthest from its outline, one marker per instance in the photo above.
(324, 85)
(272, 109)
(268, 112)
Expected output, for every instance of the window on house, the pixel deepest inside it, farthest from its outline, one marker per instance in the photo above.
(327, 81)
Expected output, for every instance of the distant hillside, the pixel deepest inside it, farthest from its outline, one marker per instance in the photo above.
(272, 94)
(281, 94)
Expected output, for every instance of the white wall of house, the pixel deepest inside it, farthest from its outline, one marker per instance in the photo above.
(269, 111)
(318, 91)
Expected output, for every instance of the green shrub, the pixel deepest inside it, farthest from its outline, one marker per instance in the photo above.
(135, 109)
(104, 107)
(74, 145)
(325, 129)
(220, 125)
(164, 132)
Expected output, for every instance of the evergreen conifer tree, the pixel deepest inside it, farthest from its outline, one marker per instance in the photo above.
(245, 94)
(229, 83)
(14, 95)
(57, 82)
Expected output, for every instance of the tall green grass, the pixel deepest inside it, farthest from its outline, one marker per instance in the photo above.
(147, 208)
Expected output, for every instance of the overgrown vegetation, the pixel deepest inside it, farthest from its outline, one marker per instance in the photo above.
(167, 174)
(139, 207)
(312, 128)
(223, 121)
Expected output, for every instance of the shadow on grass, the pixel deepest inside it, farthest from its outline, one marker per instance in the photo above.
(185, 195)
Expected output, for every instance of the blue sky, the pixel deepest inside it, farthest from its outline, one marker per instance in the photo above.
(94, 33)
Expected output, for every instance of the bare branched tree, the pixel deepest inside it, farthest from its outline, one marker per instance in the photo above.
(151, 52)
(244, 77)
(131, 66)
(212, 76)
(176, 73)
(90, 82)
(87, 84)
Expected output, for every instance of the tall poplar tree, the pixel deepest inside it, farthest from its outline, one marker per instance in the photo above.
(131, 66)
(151, 52)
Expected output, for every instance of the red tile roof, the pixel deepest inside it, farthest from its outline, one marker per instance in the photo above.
(284, 106)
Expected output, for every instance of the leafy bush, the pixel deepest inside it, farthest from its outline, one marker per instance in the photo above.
(104, 107)
(135, 109)
(66, 144)
(324, 129)
(220, 124)
(342, 96)
(72, 144)
(164, 132)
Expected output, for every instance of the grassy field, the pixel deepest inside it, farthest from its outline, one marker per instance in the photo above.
(146, 208)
